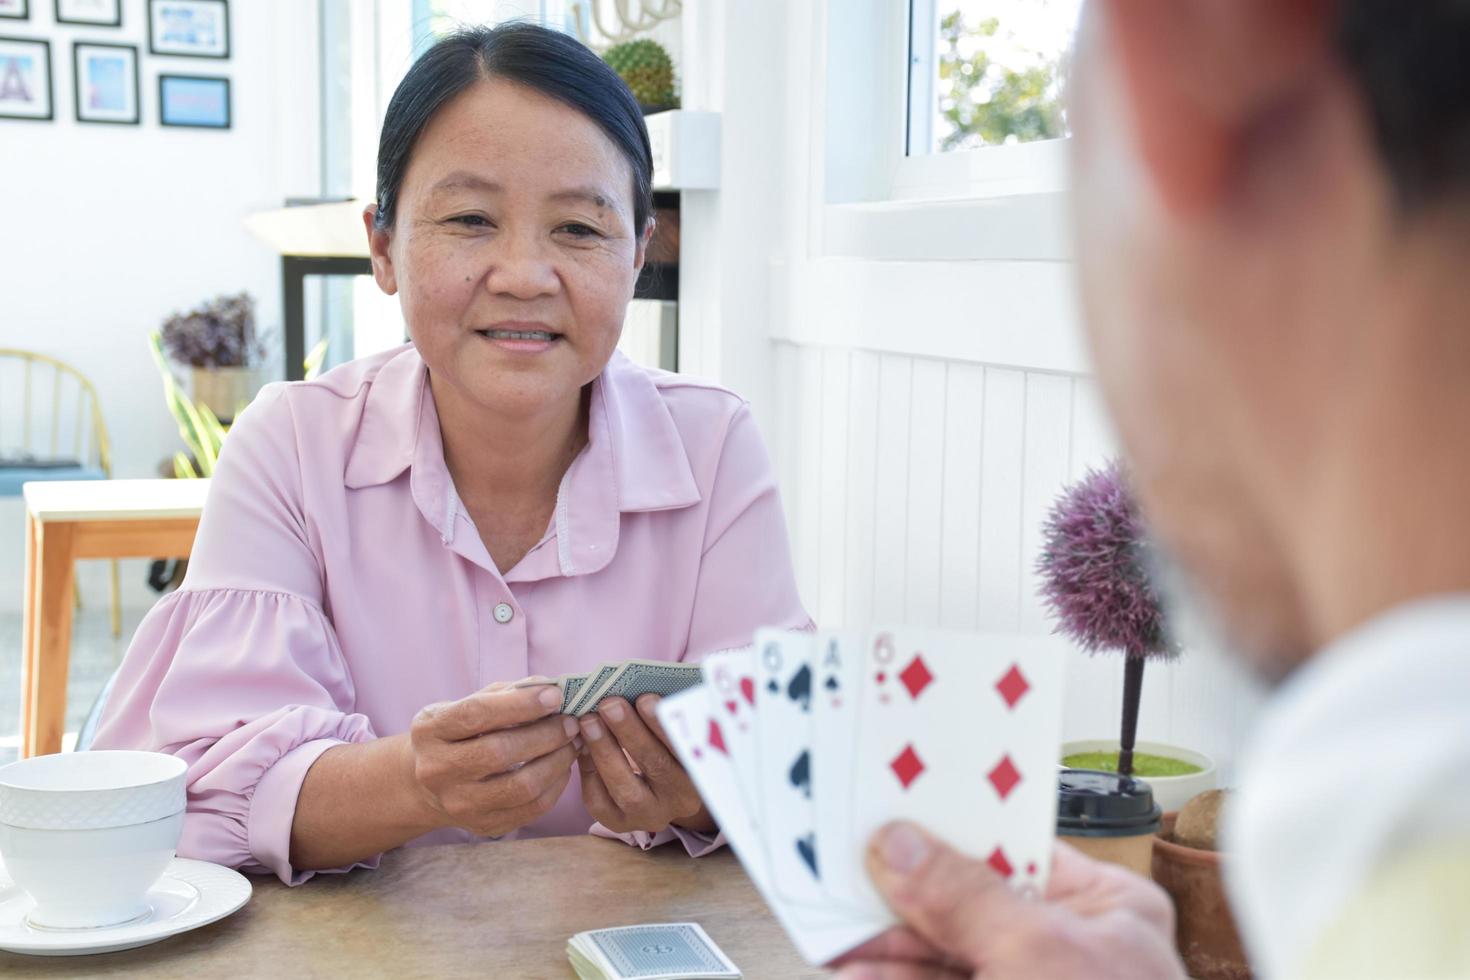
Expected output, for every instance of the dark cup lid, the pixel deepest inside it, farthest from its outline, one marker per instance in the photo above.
(1105, 804)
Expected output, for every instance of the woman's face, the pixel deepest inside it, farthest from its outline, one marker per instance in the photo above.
(513, 250)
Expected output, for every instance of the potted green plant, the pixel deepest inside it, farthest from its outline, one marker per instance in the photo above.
(1093, 569)
(218, 342)
(648, 70)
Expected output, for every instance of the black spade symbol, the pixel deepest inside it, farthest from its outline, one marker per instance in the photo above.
(832, 684)
(800, 688)
(807, 848)
(801, 775)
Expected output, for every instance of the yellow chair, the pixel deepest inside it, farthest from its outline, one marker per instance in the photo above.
(32, 432)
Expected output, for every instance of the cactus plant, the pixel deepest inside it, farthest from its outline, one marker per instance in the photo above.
(645, 66)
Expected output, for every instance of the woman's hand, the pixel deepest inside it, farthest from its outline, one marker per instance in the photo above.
(494, 761)
(616, 738)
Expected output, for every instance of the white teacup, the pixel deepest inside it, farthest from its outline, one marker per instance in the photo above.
(86, 834)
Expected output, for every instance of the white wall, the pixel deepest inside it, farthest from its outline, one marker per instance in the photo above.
(106, 230)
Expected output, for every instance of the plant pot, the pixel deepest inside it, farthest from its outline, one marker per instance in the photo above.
(1170, 792)
(225, 390)
(1205, 931)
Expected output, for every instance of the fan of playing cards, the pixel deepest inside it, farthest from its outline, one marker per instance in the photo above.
(807, 743)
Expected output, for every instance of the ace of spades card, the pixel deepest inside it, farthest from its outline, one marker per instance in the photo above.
(837, 663)
(784, 771)
(959, 732)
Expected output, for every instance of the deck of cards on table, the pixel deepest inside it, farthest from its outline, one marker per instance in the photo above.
(657, 951)
(807, 743)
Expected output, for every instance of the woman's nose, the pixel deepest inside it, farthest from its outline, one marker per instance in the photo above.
(522, 267)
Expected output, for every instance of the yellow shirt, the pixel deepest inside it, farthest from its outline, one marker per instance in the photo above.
(1411, 920)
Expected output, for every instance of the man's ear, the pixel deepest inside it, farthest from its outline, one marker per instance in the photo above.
(378, 241)
(1197, 73)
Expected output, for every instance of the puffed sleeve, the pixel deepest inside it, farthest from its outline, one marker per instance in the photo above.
(239, 673)
(746, 580)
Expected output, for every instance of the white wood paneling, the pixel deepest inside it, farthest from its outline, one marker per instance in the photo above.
(862, 483)
(959, 544)
(830, 597)
(925, 493)
(917, 489)
(890, 495)
(1001, 455)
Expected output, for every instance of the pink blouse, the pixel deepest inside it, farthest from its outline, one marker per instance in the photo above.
(337, 585)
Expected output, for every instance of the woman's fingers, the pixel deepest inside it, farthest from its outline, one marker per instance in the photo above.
(496, 823)
(519, 787)
(648, 708)
(655, 761)
(484, 711)
(626, 788)
(504, 750)
(596, 798)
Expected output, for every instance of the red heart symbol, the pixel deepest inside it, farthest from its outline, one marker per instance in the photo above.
(747, 688)
(730, 706)
(716, 737)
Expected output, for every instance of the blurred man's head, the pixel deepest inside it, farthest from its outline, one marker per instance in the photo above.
(1272, 237)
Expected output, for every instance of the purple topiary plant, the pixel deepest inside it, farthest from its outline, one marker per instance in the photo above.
(1094, 579)
(219, 334)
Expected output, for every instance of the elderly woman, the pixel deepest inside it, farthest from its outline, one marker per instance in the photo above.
(386, 548)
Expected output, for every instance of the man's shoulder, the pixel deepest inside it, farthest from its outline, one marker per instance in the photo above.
(1410, 918)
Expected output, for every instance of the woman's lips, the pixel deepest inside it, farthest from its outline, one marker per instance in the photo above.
(521, 341)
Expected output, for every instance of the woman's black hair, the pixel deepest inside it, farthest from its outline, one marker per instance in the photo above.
(552, 63)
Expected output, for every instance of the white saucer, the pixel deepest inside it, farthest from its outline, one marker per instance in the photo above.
(189, 895)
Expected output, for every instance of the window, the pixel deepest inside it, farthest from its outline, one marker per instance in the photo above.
(987, 72)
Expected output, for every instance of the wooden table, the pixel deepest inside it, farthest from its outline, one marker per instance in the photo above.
(84, 519)
(498, 910)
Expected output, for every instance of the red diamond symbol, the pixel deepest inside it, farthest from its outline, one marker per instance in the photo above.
(1004, 777)
(999, 864)
(716, 737)
(916, 676)
(1013, 686)
(907, 766)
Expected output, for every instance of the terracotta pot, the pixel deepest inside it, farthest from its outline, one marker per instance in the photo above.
(1206, 934)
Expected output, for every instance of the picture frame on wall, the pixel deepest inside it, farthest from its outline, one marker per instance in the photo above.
(25, 79)
(14, 9)
(105, 82)
(194, 101)
(189, 28)
(93, 13)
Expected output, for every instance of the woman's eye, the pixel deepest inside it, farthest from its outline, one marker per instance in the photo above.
(577, 230)
(471, 220)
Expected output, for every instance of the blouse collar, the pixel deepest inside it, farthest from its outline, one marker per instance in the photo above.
(634, 459)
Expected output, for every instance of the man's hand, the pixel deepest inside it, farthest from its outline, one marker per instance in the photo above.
(961, 920)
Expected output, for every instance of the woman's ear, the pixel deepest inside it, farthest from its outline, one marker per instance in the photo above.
(640, 252)
(378, 242)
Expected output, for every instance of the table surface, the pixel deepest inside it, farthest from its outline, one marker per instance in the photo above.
(114, 500)
(502, 910)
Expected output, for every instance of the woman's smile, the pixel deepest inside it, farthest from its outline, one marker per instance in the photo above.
(521, 338)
